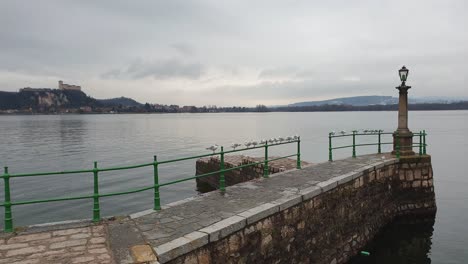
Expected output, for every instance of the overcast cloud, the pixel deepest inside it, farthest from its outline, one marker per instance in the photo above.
(235, 52)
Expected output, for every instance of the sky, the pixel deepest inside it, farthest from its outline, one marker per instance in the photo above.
(235, 52)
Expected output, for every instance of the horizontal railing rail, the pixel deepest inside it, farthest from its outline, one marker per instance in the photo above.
(421, 144)
(96, 195)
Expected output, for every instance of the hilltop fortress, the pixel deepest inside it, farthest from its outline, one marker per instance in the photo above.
(61, 86)
(64, 86)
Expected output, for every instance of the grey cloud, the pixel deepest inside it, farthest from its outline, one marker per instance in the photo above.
(164, 69)
(236, 42)
(183, 48)
(287, 72)
(299, 89)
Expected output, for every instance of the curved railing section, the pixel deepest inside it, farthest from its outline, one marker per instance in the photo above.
(8, 203)
(378, 134)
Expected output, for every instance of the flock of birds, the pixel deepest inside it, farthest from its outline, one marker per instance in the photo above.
(365, 131)
(253, 143)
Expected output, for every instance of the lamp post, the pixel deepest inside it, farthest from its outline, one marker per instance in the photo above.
(403, 137)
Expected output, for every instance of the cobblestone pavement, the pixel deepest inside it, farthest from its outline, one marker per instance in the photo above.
(185, 217)
(75, 245)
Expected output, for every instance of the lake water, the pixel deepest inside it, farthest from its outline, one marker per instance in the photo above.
(59, 142)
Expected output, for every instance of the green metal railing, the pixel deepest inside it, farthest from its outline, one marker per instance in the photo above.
(421, 144)
(8, 203)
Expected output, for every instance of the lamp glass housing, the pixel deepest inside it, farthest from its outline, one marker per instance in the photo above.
(403, 74)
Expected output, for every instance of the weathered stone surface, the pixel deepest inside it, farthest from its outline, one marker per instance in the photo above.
(288, 201)
(328, 185)
(142, 254)
(310, 192)
(55, 246)
(259, 212)
(224, 227)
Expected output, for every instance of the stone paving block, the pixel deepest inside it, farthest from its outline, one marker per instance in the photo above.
(181, 246)
(357, 174)
(310, 192)
(24, 251)
(257, 213)
(288, 201)
(142, 254)
(224, 227)
(27, 238)
(344, 178)
(328, 185)
(142, 213)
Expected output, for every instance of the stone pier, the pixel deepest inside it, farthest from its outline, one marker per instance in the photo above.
(324, 213)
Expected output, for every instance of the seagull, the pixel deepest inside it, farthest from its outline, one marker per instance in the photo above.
(247, 144)
(289, 138)
(296, 137)
(235, 145)
(365, 131)
(271, 140)
(280, 139)
(254, 143)
(332, 133)
(263, 142)
(343, 132)
(213, 148)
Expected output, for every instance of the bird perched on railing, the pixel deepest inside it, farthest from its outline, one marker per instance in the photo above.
(272, 140)
(247, 144)
(263, 141)
(343, 132)
(296, 137)
(332, 133)
(254, 143)
(280, 139)
(235, 145)
(289, 138)
(213, 148)
(365, 131)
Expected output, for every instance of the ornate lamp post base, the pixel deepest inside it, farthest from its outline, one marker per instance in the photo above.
(404, 140)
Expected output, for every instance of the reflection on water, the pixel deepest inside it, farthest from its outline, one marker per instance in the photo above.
(406, 240)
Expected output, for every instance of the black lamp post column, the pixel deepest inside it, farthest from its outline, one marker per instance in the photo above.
(403, 137)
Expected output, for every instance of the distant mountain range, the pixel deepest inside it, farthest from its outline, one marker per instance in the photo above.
(377, 100)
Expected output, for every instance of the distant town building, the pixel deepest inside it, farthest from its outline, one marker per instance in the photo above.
(64, 86)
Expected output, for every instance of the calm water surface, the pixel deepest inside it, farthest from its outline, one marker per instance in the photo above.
(49, 143)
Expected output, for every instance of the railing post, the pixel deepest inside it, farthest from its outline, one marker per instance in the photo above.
(420, 143)
(424, 142)
(330, 149)
(354, 143)
(379, 150)
(298, 164)
(157, 200)
(8, 215)
(265, 165)
(96, 210)
(397, 146)
(222, 180)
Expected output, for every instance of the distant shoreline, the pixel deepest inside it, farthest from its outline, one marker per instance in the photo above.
(224, 112)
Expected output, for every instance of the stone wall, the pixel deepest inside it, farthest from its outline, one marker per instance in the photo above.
(210, 183)
(329, 223)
